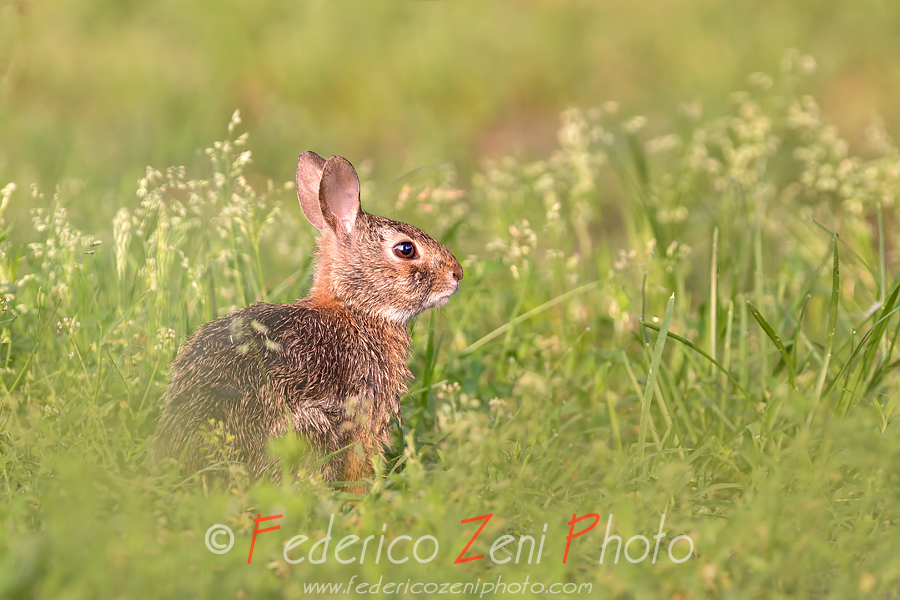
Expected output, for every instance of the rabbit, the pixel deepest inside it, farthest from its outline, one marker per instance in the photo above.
(332, 366)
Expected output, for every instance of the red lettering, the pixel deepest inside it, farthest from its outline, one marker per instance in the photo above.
(259, 518)
(460, 559)
(580, 533)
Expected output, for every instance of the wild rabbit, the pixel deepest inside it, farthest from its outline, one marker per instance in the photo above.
(331, 366)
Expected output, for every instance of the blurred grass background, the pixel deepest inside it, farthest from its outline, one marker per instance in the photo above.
(98, 90)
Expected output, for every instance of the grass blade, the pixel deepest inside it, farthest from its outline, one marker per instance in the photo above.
(882, 267)
(650, 386)
(795, 342)
(859, 346)
(523, 317)
(759, 276)
(713, 292)
(34, 350)
(699, 351)
(874, 343)
(726, 358)
(775, 340)
(640, 161)
(832, 321)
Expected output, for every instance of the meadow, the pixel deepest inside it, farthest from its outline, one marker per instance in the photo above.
(692, 314)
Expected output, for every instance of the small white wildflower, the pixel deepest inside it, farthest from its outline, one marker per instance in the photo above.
(165, 333)
(122, 223)
(235, 120)
(691, 110)
(635, 124)
(662, 144)
(67, 325)
(808, 64)
(5, 193)
(760, 80)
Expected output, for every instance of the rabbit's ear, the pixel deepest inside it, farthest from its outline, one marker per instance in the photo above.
(339, 194)
(309, 175)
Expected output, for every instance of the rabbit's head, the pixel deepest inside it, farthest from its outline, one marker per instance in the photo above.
(378, 265)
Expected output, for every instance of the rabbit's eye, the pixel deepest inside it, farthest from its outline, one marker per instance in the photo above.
(405, 250)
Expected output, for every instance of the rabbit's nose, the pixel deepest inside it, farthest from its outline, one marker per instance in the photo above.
(457, 270)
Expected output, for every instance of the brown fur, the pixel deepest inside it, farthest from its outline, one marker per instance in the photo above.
(332, 366)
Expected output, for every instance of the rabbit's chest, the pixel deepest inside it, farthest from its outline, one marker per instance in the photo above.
(376, 363)
(378, 378)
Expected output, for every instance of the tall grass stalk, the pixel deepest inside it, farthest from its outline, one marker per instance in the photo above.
(650, 386)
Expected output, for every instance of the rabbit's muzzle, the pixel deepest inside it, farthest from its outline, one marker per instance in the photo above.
(440, 294)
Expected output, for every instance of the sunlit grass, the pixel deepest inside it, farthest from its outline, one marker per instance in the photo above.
(604, 356)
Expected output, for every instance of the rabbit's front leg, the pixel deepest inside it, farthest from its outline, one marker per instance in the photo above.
(326, 432)
(358, 460)
(361, 422)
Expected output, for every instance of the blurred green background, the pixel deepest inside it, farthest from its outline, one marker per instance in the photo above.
(533, 395)
(98, 90)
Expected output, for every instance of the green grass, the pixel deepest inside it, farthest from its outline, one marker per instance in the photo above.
(600, 358)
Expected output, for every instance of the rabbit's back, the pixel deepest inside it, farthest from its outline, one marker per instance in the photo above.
(316, 367)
